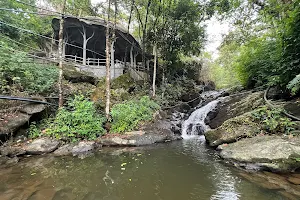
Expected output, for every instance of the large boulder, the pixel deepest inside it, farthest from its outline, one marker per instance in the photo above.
(236, 105)
(73, 75)
(268, 152)
(41, 146)
(232, 130)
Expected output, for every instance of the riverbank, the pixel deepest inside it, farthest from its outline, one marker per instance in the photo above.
(252, 136)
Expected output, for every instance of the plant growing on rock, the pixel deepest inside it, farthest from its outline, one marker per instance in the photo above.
(273, 121)
(128, 115)
(79, 121)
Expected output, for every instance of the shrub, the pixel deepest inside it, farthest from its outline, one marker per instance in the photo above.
(127, 116)
(78, 121)
(273, 120)
(294, 85)
(18, 71)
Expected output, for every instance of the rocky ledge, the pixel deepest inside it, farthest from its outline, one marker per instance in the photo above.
(275, 153)
(156, 132)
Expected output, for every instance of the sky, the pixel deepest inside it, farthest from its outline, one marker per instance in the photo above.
(215, 31)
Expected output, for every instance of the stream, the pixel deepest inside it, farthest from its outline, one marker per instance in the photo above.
(179, 170)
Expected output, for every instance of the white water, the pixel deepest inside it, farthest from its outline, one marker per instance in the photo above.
(196, 121)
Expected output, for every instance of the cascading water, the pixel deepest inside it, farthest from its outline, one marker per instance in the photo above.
(195, 123)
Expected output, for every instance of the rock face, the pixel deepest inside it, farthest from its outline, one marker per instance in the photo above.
(41, 146)
(271, 152)
(236, 105)
(232, 130)
(11, 122)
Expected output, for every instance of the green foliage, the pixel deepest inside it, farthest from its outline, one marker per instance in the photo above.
(128, 115)
(78, 121)
(33, 22)
(294, 85)
(269, 39)
(34, 131)
(273, 121)
(259, 62)
(17, 71)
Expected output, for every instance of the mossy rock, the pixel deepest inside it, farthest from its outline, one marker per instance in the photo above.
(232, 130)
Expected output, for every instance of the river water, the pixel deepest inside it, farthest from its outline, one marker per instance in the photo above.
(182, 170)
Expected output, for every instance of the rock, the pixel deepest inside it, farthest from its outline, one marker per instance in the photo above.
(73, 75)
(277, 93)
(12, 161)
(64, 150)
(232, 130)
(271, 152)
(236, 105)
(83, 147)
(34, 108)
(294, 180)
(209, 85)
(183, 108)
(3, 160)
(12, 122)
(157, 132)
(41, 146)
(12, 151)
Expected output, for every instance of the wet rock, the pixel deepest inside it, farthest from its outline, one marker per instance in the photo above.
(209, 85)
(12, 151)
(41, 146)
(232, 130)
(64, 150)
(83, 147)
(183, 108)
(235, 105)
(271, 152)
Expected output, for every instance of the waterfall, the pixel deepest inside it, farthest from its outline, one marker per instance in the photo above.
(195, 123)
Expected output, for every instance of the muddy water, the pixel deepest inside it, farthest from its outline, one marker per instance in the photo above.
(182, 170)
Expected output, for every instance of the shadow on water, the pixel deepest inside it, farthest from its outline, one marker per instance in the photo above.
(183, 170)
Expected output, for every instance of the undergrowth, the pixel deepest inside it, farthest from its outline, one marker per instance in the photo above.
(128, 115)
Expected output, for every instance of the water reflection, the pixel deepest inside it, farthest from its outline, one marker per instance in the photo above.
(183, 170)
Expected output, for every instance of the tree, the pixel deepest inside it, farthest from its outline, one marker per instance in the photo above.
(84, 43)
(108, 49)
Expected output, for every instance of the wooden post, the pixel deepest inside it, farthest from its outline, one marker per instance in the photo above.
(60, 51)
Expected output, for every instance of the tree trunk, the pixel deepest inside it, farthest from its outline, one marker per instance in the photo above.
(107, 107)
(60, 52)
(154, 69)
